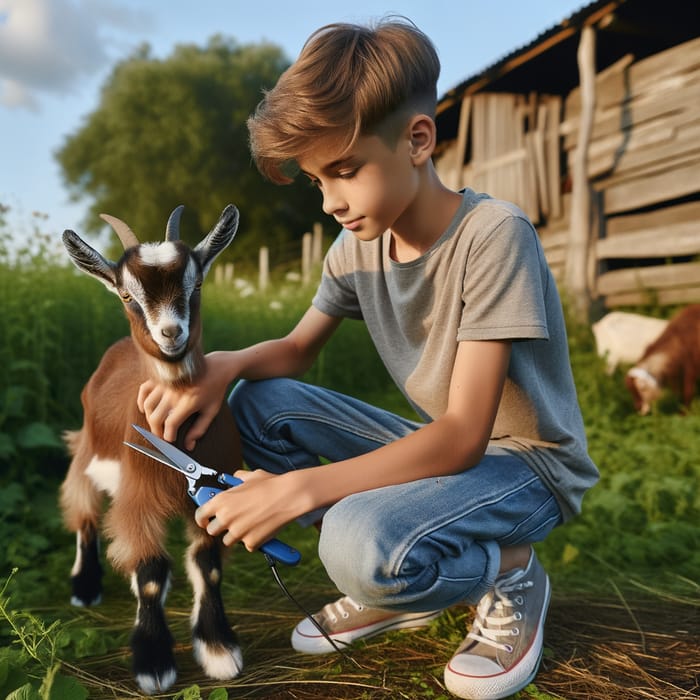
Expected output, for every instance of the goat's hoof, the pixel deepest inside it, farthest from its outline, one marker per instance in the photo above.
(153, 660)
(87, 590)
(79, 602)
(219, 661)
(156, 682)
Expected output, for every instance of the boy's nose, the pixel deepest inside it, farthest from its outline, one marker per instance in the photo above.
(333, 203)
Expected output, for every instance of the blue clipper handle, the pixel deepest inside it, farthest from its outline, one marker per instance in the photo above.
(275, 548)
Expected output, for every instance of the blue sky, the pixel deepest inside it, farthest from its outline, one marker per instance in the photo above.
(55, 55)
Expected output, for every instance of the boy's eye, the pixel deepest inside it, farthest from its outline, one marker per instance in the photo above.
(347, 174)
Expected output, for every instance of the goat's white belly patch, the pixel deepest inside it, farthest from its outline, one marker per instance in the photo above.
(105, 474)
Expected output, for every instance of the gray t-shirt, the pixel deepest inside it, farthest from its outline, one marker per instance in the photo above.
(485, 278)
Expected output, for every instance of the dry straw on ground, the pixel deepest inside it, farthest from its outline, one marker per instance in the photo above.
(647, 648)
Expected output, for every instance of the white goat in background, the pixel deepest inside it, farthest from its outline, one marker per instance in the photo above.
(159, 285)
(621, 337)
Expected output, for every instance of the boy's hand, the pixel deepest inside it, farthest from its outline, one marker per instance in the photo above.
(166, 408)
(255, 510)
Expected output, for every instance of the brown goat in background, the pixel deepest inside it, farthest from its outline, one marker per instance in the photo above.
(672, 362)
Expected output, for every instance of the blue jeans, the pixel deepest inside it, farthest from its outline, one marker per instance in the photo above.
(418, 546)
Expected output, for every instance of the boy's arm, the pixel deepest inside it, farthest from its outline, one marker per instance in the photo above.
(454, 442)
(166, 408)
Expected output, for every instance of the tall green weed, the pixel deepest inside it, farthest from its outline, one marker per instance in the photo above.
(54, 326)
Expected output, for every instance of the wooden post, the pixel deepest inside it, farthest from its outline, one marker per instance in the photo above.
(264, 268)
(580, 223)
(317, 245)
(306, 258)
(462, 140)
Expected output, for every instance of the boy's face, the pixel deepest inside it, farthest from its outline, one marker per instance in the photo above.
(369, 188)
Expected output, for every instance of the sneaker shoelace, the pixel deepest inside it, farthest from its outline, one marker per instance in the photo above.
(482, 630)
(335, 610)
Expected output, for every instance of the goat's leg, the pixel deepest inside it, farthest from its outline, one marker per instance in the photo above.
(151, 641)
(689, 380)
(86, 574)
(81, 504)
(214, 643)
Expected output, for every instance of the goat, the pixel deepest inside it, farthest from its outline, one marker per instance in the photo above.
(672, 362)
(621, 337)
(159, 285)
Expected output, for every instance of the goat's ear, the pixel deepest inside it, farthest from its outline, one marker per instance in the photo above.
(89, 260)
(218, 238)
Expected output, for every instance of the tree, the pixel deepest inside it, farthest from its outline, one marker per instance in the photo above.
(173, 131)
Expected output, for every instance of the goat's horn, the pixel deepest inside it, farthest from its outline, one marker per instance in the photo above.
(126, 235)
(172, 230)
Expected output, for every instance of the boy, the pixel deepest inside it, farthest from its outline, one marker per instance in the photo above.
(458, 298)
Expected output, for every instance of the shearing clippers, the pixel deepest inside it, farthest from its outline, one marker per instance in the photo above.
(199, 491)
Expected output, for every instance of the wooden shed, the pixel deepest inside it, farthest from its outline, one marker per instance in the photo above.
(593, 128)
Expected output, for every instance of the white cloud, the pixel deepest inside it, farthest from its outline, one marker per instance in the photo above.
(50, 45)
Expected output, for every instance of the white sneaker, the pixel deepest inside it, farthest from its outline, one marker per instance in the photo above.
(502, 652)
(345, 621)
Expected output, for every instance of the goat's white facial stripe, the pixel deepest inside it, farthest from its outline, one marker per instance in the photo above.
(157, 254)
(164, 318)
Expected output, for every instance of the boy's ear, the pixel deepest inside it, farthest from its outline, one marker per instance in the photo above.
(422, 135)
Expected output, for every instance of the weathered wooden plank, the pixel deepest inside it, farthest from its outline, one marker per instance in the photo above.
(609, 87)
(555, 256)
(650, 189)
(663, 297)
(538, 146)
(676, 60)
(647, 279)
(668, 165)
(662, 242)
(447, 161)
(654, 141)
(553, 155)
(461, 144)
(625, 79)
(656, 222)
(577, 270)
(550, 240)
(684, 94)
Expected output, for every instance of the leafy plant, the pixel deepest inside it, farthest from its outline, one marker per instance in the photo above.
(30, 668)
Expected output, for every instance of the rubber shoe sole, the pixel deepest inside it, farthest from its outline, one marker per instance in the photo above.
(501, 683)
(307, 639)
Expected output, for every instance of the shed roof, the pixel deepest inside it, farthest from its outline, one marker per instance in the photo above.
(548, 63)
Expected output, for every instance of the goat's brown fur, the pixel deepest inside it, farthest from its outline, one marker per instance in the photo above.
(149, 493)
(672, 361)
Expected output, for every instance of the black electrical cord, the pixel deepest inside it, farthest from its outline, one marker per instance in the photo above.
(334, 643)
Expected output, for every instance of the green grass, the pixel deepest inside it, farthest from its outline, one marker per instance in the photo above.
(625, 572)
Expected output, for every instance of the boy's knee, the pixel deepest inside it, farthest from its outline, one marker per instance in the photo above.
(240, 397)
(353, 559)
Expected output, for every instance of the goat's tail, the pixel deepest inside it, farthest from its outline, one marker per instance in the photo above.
(80, 501)
(72, 440)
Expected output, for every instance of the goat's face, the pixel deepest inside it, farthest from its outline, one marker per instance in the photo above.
(159, 283)
(160, 287)
(644, 388)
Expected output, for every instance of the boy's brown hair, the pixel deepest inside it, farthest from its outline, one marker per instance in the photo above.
(349, 81)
